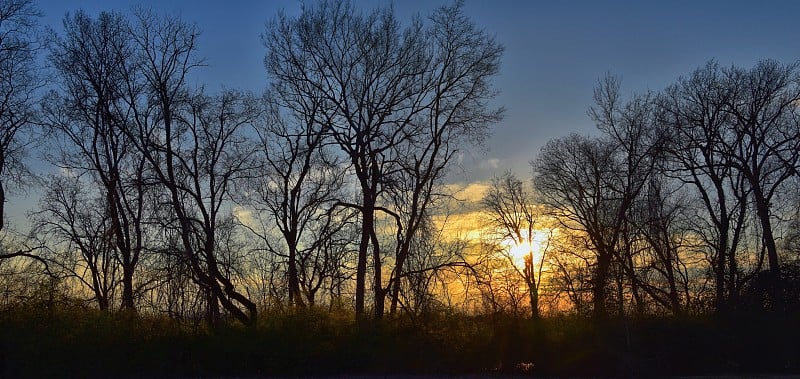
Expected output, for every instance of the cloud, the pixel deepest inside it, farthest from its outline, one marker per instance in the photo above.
(244, 215)
(492, 163)
(469, 192)
(464, 225)
(474, 192)
(67, 172)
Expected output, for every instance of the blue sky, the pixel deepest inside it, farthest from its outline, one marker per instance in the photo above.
(555, 52)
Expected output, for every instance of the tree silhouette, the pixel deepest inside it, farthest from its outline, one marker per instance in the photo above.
(88, 117)
(19, 79)
(387, 94)
(512, 216)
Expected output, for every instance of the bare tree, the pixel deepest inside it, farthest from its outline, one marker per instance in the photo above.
(792, 241)
(658, 236)
(297, 188)
(571, 261)
(432, 266)
(631, 125)
(209, 155)
(192, 145)
(593, 185)
(512, 217)
(736, 141)
(455, 114)
(765, 147)
(19, 79)
(496, 282)
(81, 238)
(693, 110)
(88, 117)
(362, 67)
(387, 92)
(576, 177)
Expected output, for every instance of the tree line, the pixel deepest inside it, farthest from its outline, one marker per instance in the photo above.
(173, 199)
(685, 203)
(329, 190)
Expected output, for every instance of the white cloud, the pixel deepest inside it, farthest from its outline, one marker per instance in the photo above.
(67, 172)
(244, 215)
(491, 163)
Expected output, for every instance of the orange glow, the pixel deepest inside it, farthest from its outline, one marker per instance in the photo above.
(517, 251)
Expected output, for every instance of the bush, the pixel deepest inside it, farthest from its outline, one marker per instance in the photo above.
(79, 342)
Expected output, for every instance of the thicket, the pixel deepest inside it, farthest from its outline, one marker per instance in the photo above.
(79, 342)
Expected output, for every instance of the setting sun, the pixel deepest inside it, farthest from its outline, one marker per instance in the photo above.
(519, 250)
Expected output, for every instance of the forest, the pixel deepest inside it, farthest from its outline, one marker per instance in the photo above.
(313, 229)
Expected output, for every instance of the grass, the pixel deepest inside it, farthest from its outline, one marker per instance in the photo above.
(77, 342)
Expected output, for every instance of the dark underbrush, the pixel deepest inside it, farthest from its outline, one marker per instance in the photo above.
(85, 343)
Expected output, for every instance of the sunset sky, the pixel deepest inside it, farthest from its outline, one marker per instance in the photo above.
(555, 53)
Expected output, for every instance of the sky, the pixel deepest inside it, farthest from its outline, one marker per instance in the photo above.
(556, 51)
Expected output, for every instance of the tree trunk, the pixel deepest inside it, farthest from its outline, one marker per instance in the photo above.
(599, 311)
(674, 298)
(99, 291)
(719, 267)
(775, 284)
(395, 293)
(127, 287)
(213, 318)
(2, 204)
(378, 292)
(295, 298)
(367, 224)
(635, 290)
(530, 279)
(120, 243)
(398, 269)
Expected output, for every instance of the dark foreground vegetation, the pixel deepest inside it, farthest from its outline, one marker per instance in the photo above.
(76, 342)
